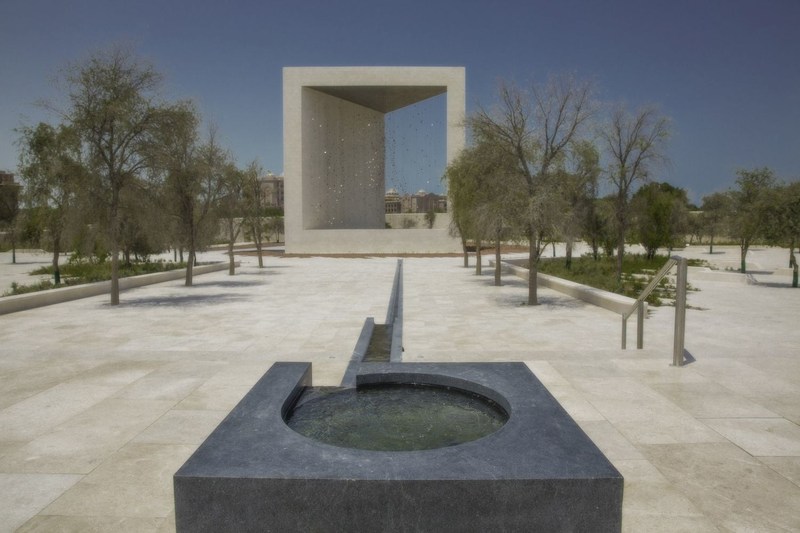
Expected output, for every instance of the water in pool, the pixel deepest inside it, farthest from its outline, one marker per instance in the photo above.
(401, 417)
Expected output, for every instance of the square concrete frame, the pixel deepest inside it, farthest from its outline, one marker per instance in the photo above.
(334, 151)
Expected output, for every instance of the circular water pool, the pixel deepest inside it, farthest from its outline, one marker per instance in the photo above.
(397, 417)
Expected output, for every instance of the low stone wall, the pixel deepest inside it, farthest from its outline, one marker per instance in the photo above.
(21, 302)
(607, 300)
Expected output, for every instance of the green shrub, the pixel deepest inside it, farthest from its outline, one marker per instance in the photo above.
(78, 271)
(637, 271)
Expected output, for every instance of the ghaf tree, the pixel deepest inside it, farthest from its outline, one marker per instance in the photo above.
(537, 128)
(113, 107)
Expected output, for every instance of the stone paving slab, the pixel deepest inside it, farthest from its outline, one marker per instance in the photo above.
(26, 494)
(99, 405)
(732, 488)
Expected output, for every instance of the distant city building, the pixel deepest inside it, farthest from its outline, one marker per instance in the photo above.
(419, 202)
(272, 186)
(6, 178)
(9, 201)
(392, 201)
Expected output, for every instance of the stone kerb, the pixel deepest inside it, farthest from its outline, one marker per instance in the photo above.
(607, 300)
(22, 302)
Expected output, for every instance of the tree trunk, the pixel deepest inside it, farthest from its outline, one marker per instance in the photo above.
(477, 257)
(743, 247)
(257, 238)
(190, 264)
(466, 252)
(554, 248)
(114, 222)
(620, 252)
(56, 271)
(533, 260)
(711, 245)
(231, 239)
(497, 267)
(190, 270)
(114, 273)
(569, 254)
(622, 219)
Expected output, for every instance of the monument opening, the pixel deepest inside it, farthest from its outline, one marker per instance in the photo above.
(416, 139)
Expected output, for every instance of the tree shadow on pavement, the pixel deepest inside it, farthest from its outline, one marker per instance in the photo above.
(230, 283)
(775, 284)
(189, 300)
(521, 299)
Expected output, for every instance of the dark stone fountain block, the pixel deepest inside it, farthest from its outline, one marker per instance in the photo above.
(539, 472)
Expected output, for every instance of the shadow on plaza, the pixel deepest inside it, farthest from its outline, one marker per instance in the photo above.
(188, 300)
(230, 283)
(775, 284)
(520, 299)
(545, 302)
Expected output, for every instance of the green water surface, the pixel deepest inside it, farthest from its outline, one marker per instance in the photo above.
(397, 417)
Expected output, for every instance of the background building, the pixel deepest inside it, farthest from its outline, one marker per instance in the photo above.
(419, 202)
(9, 203)
(272, 186)
(393, 202)
(6, 178)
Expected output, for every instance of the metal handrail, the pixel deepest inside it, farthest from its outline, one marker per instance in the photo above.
(680, 309)
(661, 274)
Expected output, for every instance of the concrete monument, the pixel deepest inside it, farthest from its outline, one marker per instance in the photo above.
(334, 154)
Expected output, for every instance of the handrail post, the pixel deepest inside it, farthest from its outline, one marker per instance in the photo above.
(680, 313)
(638, 305)
(640, 327)
(624, 331)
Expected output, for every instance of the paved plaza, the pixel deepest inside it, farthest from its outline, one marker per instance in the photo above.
(100, 405)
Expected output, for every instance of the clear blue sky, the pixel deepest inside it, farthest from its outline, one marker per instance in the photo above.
(726, 71)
